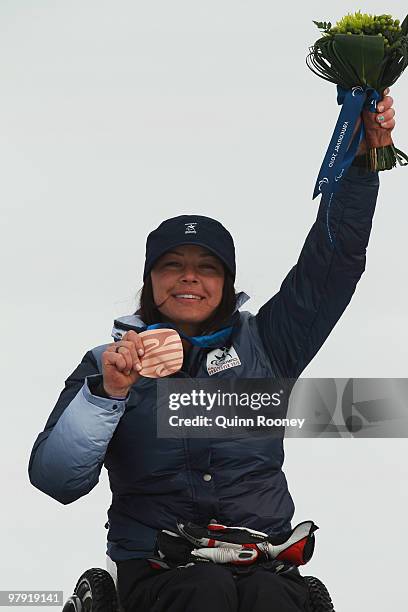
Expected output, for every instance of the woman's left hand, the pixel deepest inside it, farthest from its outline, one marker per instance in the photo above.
(385, 111)
(384, 116)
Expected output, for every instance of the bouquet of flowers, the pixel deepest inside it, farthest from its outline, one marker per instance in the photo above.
(363, 55)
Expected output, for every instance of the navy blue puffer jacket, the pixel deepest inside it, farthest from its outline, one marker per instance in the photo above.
(236, 482)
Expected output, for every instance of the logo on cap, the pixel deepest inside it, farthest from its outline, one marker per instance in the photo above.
(190, 228)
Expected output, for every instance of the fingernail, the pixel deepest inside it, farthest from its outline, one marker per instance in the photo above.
(380, 118)
(140, 351)
(380, 109)
(138, 367)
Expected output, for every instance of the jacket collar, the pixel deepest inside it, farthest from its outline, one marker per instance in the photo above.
(127, 322)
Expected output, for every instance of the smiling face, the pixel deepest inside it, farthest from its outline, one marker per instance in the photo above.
(187, 286)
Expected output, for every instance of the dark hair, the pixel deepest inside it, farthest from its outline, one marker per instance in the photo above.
(150, 314)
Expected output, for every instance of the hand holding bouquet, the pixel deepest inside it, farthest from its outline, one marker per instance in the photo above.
(364, 55)
(385, 118)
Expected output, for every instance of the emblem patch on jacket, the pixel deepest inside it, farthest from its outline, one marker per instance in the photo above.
(222, 359)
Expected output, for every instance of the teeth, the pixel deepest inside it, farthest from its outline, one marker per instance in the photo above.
(188, 295)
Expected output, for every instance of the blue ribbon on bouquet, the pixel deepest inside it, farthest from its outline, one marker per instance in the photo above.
(338, 159)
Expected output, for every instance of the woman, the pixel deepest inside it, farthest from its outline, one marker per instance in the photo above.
(105, 414)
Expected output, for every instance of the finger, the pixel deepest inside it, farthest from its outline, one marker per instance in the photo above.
(385, 104)
(116, 360)
(389, 125)
(129, 344)
(134, 337)
(386, 116)
(124, 352)
(137, 350)
(132, 359)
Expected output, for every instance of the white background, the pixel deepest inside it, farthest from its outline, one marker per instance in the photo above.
(116, 115)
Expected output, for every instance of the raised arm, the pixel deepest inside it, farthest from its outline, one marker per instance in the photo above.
(296, 321)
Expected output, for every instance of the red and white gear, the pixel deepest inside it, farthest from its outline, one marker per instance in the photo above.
(243, 556)
(243, 546)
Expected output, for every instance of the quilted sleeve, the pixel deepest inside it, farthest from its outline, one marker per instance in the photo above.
(67, 457)
(296, 321)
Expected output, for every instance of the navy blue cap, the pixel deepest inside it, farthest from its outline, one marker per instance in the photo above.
(190, 229)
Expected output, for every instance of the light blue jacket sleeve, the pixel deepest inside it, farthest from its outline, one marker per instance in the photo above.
(67, 457)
